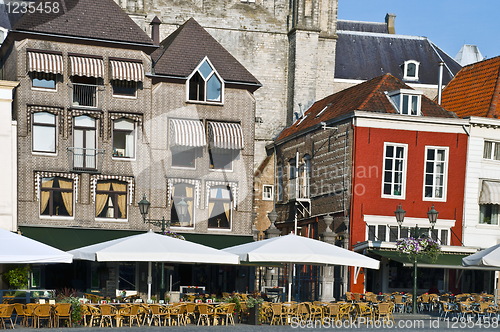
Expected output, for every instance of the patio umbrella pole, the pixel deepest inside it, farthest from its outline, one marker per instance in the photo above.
(150, 281)
(290, 276)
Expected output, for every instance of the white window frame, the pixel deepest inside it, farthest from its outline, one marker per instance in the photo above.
(493, 156)
(404, 171)
(74, 198)
(494, 213)
(232, 207)
(127, 200)
(269, 194)
(38, 88)
(205, 101)
(56, 131)
(194, 204)
(445, 174)
(397, 98)
(124, 96)
(134, 132)
(405, 69)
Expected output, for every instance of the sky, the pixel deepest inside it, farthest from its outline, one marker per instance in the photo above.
(447, 23)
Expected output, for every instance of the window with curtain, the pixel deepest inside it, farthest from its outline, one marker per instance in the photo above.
(44, 132)
(220, 205)
(124, 138)
(488, 214)
(56, 197)
(491, 150)
(182, 192)
(111, 199)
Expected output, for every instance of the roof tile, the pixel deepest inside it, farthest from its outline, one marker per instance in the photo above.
(368, 96)
(475, 91)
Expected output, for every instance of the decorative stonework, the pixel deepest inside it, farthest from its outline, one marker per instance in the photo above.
(72, 176)
(128, 179)
(197, 189)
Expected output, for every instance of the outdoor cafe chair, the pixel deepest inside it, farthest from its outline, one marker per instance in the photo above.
(20, 312)
(178, 314)
(279, 315)
(223, 314)
(332, 312)
(447, 308)
(399, 302)
(130, 314)
(6, 311)
(190, 315)
(364, 310)
(205, 312)
(384, 311)
(465, 310)
(62, 311)
(108, 314)
(42, 312)
(156, 314)
(303, 312)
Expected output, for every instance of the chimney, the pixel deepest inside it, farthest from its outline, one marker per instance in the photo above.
(155, 30)
(389, 20)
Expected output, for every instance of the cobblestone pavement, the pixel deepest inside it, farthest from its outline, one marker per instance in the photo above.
(407, 322)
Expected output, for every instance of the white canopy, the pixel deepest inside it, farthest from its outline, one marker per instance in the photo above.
(151, 247)
(18, 249)
(488, 257)
(300, 250)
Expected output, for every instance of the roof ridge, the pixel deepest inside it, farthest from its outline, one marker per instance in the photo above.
(495, 98)
(377, 87)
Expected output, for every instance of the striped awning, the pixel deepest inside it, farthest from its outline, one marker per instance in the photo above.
(224, 135)
(84, 66)
(45, 62)
(127, 71)
(187, 133)
(490, 193)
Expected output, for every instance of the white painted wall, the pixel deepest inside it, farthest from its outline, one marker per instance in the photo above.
(478, 169)
(8, 153)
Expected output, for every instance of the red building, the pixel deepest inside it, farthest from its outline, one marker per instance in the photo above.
(356, 156)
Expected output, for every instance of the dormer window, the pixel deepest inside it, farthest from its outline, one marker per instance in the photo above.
(205, 84)
(411, 70)
(406, 101)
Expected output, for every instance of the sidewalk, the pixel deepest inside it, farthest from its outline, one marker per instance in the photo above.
(408, 322)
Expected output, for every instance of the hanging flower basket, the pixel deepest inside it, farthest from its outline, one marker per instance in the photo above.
(419, 247)
(174, 235)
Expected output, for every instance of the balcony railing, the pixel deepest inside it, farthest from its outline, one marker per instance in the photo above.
(84, 95)
(85, 160)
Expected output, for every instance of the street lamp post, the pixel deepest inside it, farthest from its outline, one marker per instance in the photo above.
(432, 215)
(163, 223)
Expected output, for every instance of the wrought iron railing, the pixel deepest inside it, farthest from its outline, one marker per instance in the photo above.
(84, 95)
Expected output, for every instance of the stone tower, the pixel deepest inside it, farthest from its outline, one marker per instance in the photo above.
(288, 45)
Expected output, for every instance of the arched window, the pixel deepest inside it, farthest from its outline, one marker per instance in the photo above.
(411, 68)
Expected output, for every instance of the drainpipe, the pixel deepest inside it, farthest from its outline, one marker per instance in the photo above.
(440, 81)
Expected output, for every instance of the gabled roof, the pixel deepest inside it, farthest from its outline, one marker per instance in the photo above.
(181, 52)
(368, 96)
(475, 91)
(365, 55)
(101, 20)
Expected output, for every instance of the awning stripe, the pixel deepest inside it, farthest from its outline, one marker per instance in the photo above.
(490, 193)
(187, 133)
(225, 135)
(45, 62)
(127, 71)
(90, 67)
